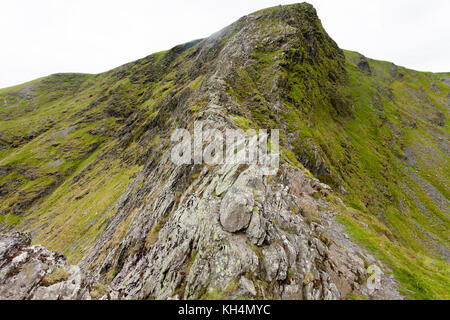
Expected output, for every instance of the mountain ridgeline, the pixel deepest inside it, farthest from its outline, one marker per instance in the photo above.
(359, 208)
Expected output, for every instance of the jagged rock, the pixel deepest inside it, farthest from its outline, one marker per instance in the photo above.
(66, 290)
(292, 256)
(34, 272)
(256, 231)
(364, 65)
(236, 209)
(308, 206)
(247, 287)
(275, 262)
(192, 231)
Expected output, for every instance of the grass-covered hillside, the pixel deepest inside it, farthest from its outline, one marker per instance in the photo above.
(377, 133)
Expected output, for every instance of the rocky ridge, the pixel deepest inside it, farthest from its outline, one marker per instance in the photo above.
(290, 248)
(161, 231)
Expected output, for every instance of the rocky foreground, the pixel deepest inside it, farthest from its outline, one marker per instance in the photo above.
(280, 245)
(86, 170)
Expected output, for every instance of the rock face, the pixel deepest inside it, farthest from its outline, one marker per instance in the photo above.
(364, 65)
(240, 242)
(137, 226)
(236, 210)
(198, 231)
(33, 272)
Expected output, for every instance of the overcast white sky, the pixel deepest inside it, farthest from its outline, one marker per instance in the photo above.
(42, 37)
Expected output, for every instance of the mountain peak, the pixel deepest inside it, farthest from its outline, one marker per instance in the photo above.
(295, 8)
(85, 167)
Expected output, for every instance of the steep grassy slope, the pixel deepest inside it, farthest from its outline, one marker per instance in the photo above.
(71, 145)
(400, 176)
(69, 140)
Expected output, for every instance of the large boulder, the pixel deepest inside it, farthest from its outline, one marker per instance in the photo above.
(236, 210)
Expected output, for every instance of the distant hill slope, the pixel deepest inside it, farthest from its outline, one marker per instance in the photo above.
(84, 166)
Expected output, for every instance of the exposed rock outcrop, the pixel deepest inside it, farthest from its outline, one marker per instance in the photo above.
(33, 272)
(139, 226)
(302, 253)
(364, 65)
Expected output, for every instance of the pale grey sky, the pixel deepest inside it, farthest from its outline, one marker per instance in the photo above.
(42, 37)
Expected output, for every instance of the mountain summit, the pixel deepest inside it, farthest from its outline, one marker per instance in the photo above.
(358, 209)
